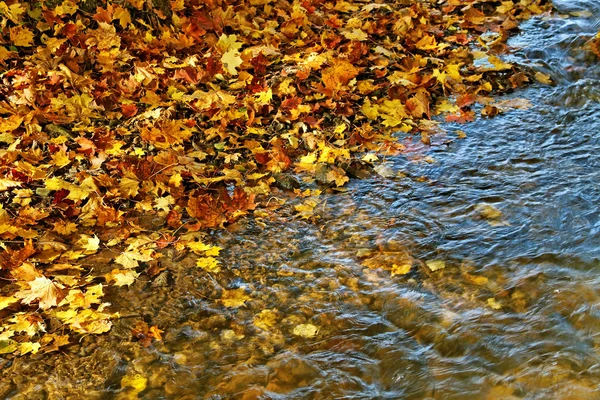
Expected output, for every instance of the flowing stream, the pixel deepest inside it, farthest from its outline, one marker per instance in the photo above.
(509, 216)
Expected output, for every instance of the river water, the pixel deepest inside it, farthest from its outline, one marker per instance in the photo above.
(509, 216)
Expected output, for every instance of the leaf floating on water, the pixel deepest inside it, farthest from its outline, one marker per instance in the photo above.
(137, 382)
(209, 264)
(122, 277)
(476, 279)
(543, 78)
(488, 211)
(266, 319)
(306, 209)
(402, 269)
(435, 265)
(384, 171)
(234, 298)
(493, 303)
(305, 330)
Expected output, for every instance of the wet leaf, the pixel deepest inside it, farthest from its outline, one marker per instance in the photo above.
(494, 304)
(122, 277)
(234, 298)
(402, 269)
(305, 330)
(137, 382)
(435, 265)
(266, 319)
(488, 211)
(209, 264)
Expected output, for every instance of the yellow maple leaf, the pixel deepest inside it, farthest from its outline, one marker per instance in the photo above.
(338, 75)
(7, 301)
(543, 78)
(338, 176)
(129, 186)
(231, 60)
(447, 107)
(5, 184)
(209, 264)
(435, 265)
(263, 98)
(13, 12)
(78, 299)
(43, 290)
(305, 330)
(29, 347)
(427, 42)
(10, 124)
(121, 277)
(355, 34)
(137, 382)
(234, 298)
(86, 321)
(21, 36)
(306, 209)
(266, 319)
(67, 7)
(228, 42)
(61, 158)
(369, 110)
(22, 322)
(401, 269)
(90, 244)
(75, 192)
(122, 14)
(130, 258)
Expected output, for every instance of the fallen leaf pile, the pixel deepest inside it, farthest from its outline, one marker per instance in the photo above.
(191, 112)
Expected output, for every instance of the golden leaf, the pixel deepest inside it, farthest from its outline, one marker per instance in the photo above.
(7, 301)
(10, 124)
(61, 158)
(229, 42)
(266, 319)
(29, 347)
(355, 34)
(494, 304)
(231, 60)
(209, 264)
(67, 7)
(337, 76)
(43, 290)
(130, 258)
(234, 298)
(305, 330)
(129, 186)
(75, 192)
(121, 277)
(435, 265)
(543, 78)
(401, 269)
(13, 12)
(21, 36)
(306, 210)
(5, 184)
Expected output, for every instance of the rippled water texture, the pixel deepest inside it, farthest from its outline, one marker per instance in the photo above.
(515, 313)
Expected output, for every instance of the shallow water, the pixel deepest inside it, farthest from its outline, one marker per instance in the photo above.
(514, 313)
